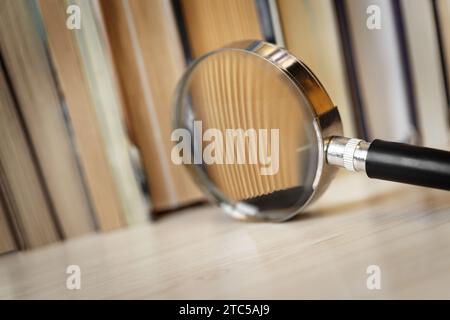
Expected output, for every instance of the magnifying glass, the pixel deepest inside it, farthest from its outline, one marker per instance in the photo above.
(261, 136)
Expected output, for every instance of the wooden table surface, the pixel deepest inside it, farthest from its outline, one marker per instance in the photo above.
(201, 253)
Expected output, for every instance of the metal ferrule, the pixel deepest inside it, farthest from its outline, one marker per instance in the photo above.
(347, 153)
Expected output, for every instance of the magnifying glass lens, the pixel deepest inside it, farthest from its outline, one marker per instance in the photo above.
(253, 142)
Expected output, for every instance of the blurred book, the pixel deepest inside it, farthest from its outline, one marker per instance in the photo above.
(381, 83)
(22, 195)
(86, 77)
(100, 76)
(149, 60)
(443, 15)
(38, 101)
(213, 24)
(7, 242)
(427, 72)
(311, 33)
(276, 24)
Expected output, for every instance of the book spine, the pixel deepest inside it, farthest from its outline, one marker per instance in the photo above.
(81, 109)
(383, 90)
(309, 27)
(149, 60)
(21, 191)
(427, 75)
(38, 100)
(442, 16)
(7, 239)
(100, 77)
(213, 24)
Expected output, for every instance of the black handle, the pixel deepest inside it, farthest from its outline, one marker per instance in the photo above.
(408, 164)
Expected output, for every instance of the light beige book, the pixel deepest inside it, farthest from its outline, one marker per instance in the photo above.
(99, 74)
(443, 8)
(22, 194)
(427, 73)
(276, 23)
(94, 160)
(379, 70)
(31, 76)
(311, 33)
(213, 24)
(7, 242)
(149, 60)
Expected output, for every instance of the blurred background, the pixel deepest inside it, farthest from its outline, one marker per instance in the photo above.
(86, 89)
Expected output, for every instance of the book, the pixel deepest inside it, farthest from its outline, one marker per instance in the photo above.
(213, 24)
(22, 195)
(93, 158)
(443, 14)
(31, 77)
(276, 24)
(7, 242)
(381, 81)
(311, 33)
(100, 76)
(427, 72)
(83, 104)
(149, 60)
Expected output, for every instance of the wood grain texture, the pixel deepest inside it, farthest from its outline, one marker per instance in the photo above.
(201, 253)
(149, 60)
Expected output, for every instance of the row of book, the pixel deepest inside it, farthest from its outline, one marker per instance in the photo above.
(85, 114)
